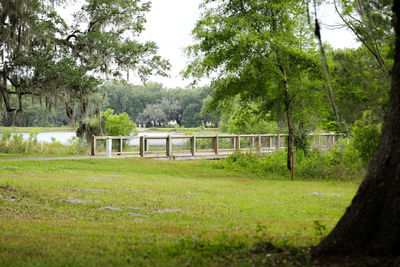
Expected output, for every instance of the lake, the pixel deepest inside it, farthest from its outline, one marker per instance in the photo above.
(64, 137)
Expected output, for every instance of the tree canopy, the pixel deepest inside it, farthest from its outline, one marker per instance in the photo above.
(45, 57)
(259, 50)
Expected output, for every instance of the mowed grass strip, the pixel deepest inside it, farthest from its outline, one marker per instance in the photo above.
(149, 212)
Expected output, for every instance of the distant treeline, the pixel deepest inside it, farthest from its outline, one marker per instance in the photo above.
(150, 105)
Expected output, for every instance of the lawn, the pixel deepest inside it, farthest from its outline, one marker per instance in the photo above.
(147, 212)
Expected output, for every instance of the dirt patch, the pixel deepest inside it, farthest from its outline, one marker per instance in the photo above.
(322, 194)
(80, 201)
(135, 215)
(133, 208)
(92, 190)
(168, 211)
(110, 208)
(10, 189)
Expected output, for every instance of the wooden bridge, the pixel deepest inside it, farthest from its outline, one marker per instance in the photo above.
(198, 146)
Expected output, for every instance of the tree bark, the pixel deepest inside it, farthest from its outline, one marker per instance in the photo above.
(371, 224)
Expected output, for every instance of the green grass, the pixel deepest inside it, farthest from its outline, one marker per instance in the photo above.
(44, 154)
(36, 129)
(217, 215)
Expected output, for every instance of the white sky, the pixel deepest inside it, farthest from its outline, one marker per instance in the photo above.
(170, 23)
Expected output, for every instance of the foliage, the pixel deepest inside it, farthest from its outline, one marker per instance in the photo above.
(115, 125)
(360, 84)
(373, 28)
(246, 119)
(108, 124)
(45, 57)
(14, 145)
(191, 117)
(261, 50)
(186, 107)
(152, 115)
(366, 135)
(342, 163)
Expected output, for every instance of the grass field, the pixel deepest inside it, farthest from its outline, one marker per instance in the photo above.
(161, 213)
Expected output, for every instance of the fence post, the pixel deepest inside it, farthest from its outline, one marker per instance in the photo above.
(278, 142)
(108, 147)
(142, 145)
(237, 144)
(233, 142)
(251, 144)
(146, 145)
(193, 145)
(215, 141)
(169, 146)
(259, 144)
(119, 146)
(93, 146)
(333, 141)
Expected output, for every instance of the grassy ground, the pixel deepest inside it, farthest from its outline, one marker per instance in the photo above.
(60, 213)
(46, 155)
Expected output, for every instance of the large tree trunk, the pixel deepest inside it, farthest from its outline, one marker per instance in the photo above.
(372, 222)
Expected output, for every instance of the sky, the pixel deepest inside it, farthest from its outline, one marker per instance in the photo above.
(170, 23)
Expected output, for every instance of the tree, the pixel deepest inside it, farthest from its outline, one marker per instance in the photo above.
(370, 22)
(132, 99)
(371, 224)
(43, 56)
(260, 49)
(360, 84)
(191, 116)
(152, 115)
(170, 107)
(115, 125)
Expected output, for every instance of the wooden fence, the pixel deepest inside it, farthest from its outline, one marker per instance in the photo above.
(206, 146)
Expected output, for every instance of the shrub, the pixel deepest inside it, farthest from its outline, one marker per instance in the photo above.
(109, 124)
(366, 137)
(342, 163)
(115, 125)
(6, 135)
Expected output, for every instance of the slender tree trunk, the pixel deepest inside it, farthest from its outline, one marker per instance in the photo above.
(371, 224)
(289, 116)
(328, 79)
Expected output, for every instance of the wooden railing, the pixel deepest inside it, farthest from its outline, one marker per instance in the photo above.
(200, 145)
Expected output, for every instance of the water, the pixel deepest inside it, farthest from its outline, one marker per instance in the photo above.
(177, 142)
(64, 137)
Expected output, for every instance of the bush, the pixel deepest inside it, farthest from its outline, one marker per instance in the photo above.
(366, 137)
(109, 124)
(342, 163)
(247, 120)
(115, 125)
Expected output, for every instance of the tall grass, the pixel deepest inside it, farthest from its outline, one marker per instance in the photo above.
(342, 163)
(15, 144)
